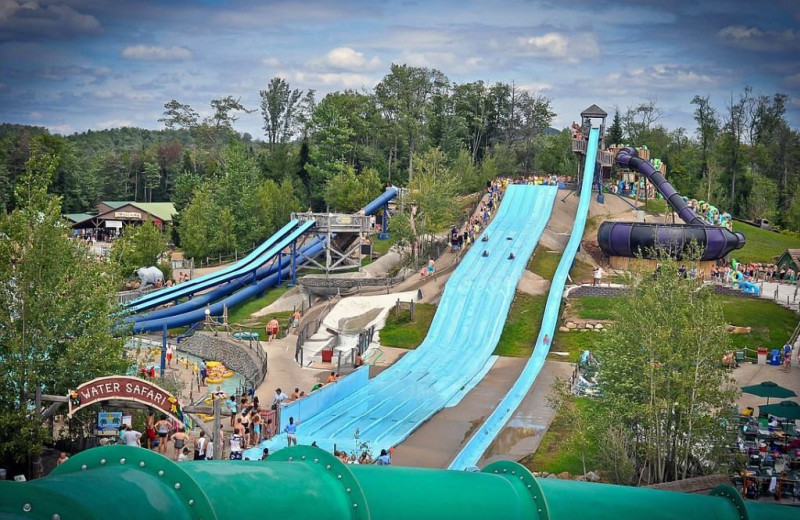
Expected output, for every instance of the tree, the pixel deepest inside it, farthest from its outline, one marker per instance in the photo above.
(661, 373)
(403, 96)
(734, 128)
(707, 127)
(199, 224)
(139, 246)
(614, 135)
(762, 201)
(280, 110)
(640, 119)
(55, 308)
(347, 192)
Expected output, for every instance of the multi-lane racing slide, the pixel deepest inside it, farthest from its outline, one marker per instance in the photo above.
(630, 239)
(472, 451)
(238, 282)
(464, 332)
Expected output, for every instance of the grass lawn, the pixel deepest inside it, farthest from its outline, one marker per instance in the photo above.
(581, 272)
(240, 315)
(593, 308)
(771, 324)
(573, 343)
(401, 332)
(382, 246)
(522, 325)
(544, 262)
(556, 452)
(762, 245)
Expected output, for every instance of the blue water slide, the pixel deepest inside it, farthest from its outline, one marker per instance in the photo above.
(252, 261)
(472, 451)
(384, 197)
(459, 344)
(216, 309)
(229, 287)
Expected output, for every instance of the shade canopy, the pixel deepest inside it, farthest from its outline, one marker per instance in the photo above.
(769, 390)
(785, 409)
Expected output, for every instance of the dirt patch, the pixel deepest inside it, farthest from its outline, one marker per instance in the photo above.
(533, 284)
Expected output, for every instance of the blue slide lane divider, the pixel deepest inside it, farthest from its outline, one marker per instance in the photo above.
(461, 339)
(472, 451)
(168, 294)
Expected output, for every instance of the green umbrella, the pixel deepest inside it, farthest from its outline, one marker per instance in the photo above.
(789, 410)
(768, 389)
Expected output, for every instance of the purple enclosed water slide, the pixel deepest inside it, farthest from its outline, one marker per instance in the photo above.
(631, 239)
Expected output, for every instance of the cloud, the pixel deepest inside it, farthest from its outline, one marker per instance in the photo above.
(556, 45)
(793, 81)
(755, 39)
(156, 53)
(271, 62)
(349, 59)
(60, 129)
(114, 123)
(329, 80)
(34, 20)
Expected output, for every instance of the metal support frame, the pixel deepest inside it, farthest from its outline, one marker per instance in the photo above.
(163, 349)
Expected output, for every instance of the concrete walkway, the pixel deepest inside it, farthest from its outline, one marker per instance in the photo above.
(436, 443)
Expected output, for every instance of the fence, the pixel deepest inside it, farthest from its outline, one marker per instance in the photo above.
(214, 261)
(126, 296)
(400, 306)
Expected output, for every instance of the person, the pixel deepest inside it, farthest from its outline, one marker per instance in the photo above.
(546, 340)
(209, 450)
(170, 353)
(384, 459)
(179, 439)
(184, 454)
(291, 432)
(162, 430)
(265, 454)
(485, 253)
(255, 428)
(511, 256)
(203, 372)
(316, 387)
(269, 430)
(62, 458)
(359, 361)
(331, 378)
(365, 458)
(597, 276)
(296, 319)
(150, 429)
(432, 268)
(236, 447)
(272, 330)
(130, 437)
(295, 395)
(279, 398)
(230, 404)
(200, 446)
(773, 421)
(218, 393)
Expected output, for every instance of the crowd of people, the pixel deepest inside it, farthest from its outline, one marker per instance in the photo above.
(753, 272)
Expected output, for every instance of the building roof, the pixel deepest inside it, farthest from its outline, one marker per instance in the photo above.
(78, 217)
(160, 210)
(114, 204)
(794, 254)
(594, 111)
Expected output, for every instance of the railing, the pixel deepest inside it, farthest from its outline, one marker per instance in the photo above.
(337, 222)
(126, 296)
(220, 258)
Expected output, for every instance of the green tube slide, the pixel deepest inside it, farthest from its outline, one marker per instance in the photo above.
(123, 483)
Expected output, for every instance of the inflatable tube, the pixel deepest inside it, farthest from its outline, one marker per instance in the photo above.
(228, 374)
(213, 381)
(213, 364)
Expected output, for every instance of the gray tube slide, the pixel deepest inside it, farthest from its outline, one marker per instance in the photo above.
(632, 239)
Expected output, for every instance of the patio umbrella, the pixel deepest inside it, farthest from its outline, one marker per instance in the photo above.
(789, 410)
(768, 389)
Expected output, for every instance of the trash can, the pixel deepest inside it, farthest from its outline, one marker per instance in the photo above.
(775, 357)
(762, 356)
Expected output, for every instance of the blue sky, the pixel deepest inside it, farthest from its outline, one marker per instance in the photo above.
(84, 64)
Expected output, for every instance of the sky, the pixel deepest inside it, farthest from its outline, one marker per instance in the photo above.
(73, 65)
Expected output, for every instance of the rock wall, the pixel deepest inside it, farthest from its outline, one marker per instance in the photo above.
(233, 354)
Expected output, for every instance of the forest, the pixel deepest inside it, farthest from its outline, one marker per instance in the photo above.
(233, 189)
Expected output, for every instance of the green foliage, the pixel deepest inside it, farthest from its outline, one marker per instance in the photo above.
(401, 332)
(665, 379)
(522, 326)
(614, 135)
(139, 246)
(55, 308)
(762, 202)
(347, 192)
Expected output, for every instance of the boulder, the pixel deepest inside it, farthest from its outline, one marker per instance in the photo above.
(551, 475)
(598, 326)
(571, 325)
(564, 475)
(589, 326)
(563, 329)
(579, 478)
(592, 477)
